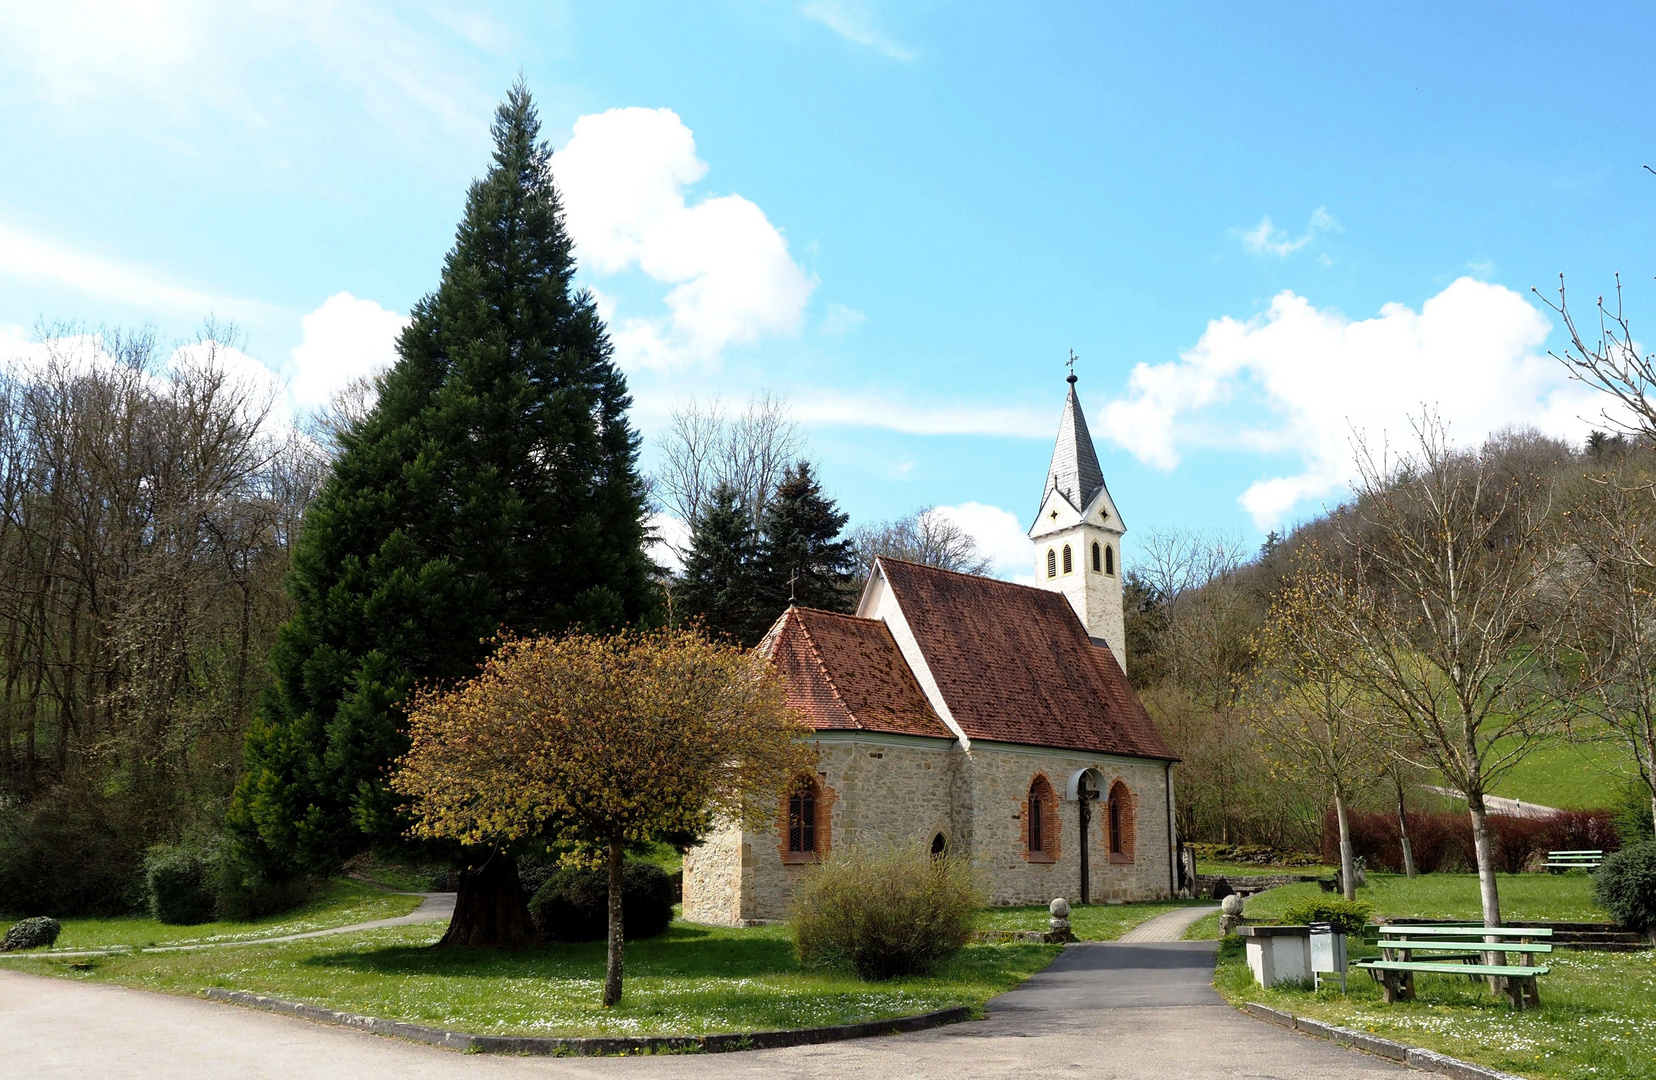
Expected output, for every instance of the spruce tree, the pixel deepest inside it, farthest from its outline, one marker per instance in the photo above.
(719, 585)
(803, 557)
(494, 487)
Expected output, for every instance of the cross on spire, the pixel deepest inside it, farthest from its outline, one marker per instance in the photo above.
(793, 578)
(1071, 363)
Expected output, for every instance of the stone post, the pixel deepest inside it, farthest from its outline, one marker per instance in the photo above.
(1058, 927)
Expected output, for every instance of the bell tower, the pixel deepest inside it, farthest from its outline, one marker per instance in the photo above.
(1077, 533)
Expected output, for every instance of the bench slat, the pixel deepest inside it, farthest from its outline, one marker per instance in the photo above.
(1465, 931)
(1462, 946)
(1452, 969)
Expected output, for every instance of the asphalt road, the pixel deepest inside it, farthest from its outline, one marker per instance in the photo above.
(1142, 1010)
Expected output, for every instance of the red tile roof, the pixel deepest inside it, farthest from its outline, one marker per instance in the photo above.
(1014, 664)
(846, 673)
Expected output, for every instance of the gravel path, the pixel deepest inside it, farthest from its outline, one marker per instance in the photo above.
(1168, 926)
(1117, 1010)
(435, 907)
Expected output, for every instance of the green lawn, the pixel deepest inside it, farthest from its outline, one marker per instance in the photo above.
(1256, 870)
(1573, 776)
(1090, 922)
(339, 902)
(692, 980)
(1598, 1017)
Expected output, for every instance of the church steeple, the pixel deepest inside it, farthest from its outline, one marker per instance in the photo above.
(1074, 472)
(1077, 532)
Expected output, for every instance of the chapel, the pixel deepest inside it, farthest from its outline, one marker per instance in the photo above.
(965, 714)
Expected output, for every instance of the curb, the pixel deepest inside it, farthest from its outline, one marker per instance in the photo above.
(597, 1045)
(1414, 1057)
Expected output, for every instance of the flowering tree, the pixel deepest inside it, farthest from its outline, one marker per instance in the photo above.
(599, 742)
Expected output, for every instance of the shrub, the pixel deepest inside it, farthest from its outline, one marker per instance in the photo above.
(242, 889)
(1625, 885)
(1348, 916)
(35, 933)
(1585, 830)
(573, 905)
(72, 851)
(1515, 840)
(1631, 816)
(178, 887)
(885, 915)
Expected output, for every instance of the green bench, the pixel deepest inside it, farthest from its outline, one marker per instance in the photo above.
(1459, 950)
(1559, 861)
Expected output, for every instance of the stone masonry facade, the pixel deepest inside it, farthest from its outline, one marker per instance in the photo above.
(906, 790)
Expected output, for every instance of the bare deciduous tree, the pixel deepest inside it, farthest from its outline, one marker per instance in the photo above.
(705, 446)
(1439, 620)
(924, 536)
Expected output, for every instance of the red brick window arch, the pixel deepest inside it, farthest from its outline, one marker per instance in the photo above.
(803, 821)
(1119, 822)
(1040, 822)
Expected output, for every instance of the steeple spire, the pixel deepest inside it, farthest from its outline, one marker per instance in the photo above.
(1074, 472)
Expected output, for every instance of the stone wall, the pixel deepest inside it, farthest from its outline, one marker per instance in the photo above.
(902, 790)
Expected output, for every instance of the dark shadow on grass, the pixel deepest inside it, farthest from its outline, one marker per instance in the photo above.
(682, 951)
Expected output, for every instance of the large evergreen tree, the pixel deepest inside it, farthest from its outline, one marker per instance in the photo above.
(803, 556)
(719, 585)
(493, 487)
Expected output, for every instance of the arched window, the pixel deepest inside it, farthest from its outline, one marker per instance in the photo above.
(1052, 563)
(1069, 563)
(1096, 566)
(1119, 823)
(1109, 560)
(1040, 822)
(802, 818)
(940, 846)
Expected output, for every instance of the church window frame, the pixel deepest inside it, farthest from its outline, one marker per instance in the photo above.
(1040, 821)
(1069, 560)
(1052, 563)
(1096, 564)
(1109, 560)
(803, 820)
(1120, 823)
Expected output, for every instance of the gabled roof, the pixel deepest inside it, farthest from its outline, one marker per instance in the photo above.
(1014, 664)
(846, 673)
(1074, 472)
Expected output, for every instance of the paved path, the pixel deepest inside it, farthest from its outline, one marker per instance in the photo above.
(435, 907)
(1112, 1010)
(1169, 925)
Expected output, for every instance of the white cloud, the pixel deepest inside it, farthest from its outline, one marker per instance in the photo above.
(190, 55)
(830, 407)
(623, 178)
(999, 535)
(344, 339)
(841, 320)
(1473, 352)
(1267, 239)
(36, 259)
(670, 542)
(856, 22)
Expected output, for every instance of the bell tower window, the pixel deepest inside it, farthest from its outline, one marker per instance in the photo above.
(1109, 559)
(1052, 563)
(1069, 563)
(1096, 566)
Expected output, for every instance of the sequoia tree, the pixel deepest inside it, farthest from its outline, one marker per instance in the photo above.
(493, 487)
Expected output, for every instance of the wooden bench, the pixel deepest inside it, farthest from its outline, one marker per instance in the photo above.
(1459, 950)
(1559, 861)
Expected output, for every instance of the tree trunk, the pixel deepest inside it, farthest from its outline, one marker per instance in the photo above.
(1485, 853)
(612, 973)
(1348, 864)
(1403, 830)
(490, 909)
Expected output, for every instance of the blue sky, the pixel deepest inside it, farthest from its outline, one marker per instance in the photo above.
(1259, 230)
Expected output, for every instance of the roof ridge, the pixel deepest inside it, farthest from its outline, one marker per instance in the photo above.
(973, 577)
(816, 657)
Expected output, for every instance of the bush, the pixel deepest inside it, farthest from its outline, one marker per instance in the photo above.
(885, 915)
(36, 933)
(243, 890)
(1348, 916)
(1516, 840)
(1631, 816)
(70, 852)
(573, 905)
(1625, 885)
(178, 888)
(1585, 830)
